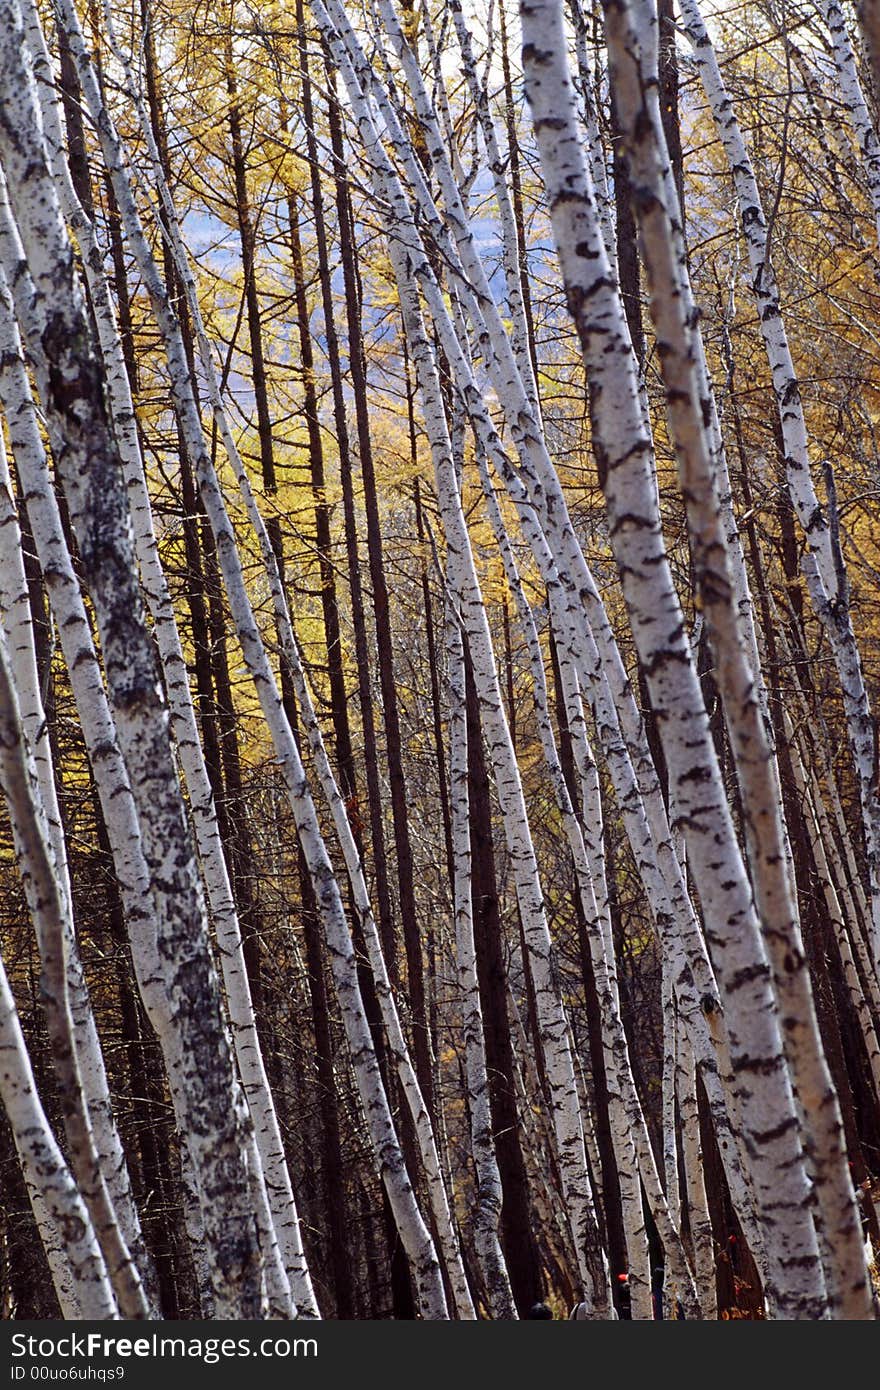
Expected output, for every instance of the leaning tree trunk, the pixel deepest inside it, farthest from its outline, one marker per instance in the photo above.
(487, 1176)
(390, 1162)
(68, 376)
(624, 457)
(77, 1266)
(757, 772)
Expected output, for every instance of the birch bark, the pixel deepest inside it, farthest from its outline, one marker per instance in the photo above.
(629, 1133)
(465, 587)
(539, 499)
(695, 1186)
(488, 1178)
(853, 98)
(49, 908)
(69, 382)
(543, 502)
(837, 916)
(624, 458)
(79, 1273)
(757, 773)
(389, 1158)
(111, 778)
(285, 1223)
(464, 584)
(826, 577)
(18, 407)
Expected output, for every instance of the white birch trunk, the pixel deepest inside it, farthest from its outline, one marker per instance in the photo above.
(543, 503)
(848, 885)
(545, 500)
(625, 1109)
(595, 150)
(17, 622)
(270, 1150)
(465, 587)
(509, 244)
(69, 382)
(668, 1107)
(624, 457)
(389, 1158)
(93, 708)
(49, 908)
(850, 93)
(826, 576)
(695, 1186)
(769, 856)
(488, 1179)
(79, 1273)
(398, 1047)
(809, 801)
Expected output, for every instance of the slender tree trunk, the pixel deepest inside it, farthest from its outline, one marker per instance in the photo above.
(624, 455)
(88, 462)
(516, 1217)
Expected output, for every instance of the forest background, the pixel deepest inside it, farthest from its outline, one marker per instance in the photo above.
(440, 639)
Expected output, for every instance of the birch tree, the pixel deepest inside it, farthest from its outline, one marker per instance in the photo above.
(623, 456)
(85, 454)
(329, 476)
